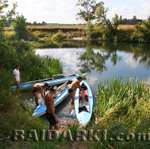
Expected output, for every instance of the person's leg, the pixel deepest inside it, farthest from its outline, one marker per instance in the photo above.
(71, 103)
(48, 116)
(55, 121)
(71, 100)
(18, 84)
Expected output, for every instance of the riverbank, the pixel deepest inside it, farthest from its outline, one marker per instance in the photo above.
(50, 44)
(121, 111)
(13, 114)
(45, 35)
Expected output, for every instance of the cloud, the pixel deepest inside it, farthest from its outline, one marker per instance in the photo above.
(145, 10)
(65, 11)
(52, 11)
(128, 8)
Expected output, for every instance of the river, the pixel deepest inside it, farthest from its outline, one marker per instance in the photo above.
(105, 62)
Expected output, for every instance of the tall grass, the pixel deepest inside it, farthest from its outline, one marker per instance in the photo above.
(123, 107)
(120, 97)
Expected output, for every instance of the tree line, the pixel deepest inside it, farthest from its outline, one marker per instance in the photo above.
(99, 27)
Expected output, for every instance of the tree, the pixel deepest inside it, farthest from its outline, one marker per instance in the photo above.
(6, 15)
(20, 27)
(91, 12)
(87, 10)
(3, 5)
(1, 28)
(11, 14)
(100, 13)
(142, 33)
(116, 20)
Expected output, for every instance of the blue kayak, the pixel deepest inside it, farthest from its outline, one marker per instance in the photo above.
(51, 81)
(84, 107)
(41, 109)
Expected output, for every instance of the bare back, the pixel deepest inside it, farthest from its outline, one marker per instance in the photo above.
(49, 101)
(75, 84)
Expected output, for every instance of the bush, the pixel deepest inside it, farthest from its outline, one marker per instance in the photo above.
(10, 35)
(22, 46)
(58, 37)
(39, 34)
(38, 67)
(8, 55)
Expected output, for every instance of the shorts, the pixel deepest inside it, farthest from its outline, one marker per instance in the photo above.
(17, 85)
(71, 90)
(51, 117)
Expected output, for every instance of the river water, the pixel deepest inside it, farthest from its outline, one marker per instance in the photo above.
(105, 62)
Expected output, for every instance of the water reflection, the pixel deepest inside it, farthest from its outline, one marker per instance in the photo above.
(96, 59)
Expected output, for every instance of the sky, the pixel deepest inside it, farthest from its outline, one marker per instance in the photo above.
(65, 11)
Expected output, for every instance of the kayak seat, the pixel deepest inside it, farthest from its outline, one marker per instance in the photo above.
(83, 108)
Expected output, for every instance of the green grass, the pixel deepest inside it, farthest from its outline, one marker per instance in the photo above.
(123, 107)
(121, 97)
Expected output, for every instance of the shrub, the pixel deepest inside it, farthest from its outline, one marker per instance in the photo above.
(58, 37)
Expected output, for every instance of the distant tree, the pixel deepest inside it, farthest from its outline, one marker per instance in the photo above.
(90, 10)
(116, 20)
(1, 29)
(7, 14)
(34, 23)
(134, 18)
(142, 32)
(11, 14)
(100, 13)
(3, 4)
(20, 27)
(44, 23)
(87, 10)
(87, 13)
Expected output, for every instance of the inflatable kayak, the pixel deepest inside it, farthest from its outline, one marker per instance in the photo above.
(41, 109)
(83, 103)
(51, 81)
